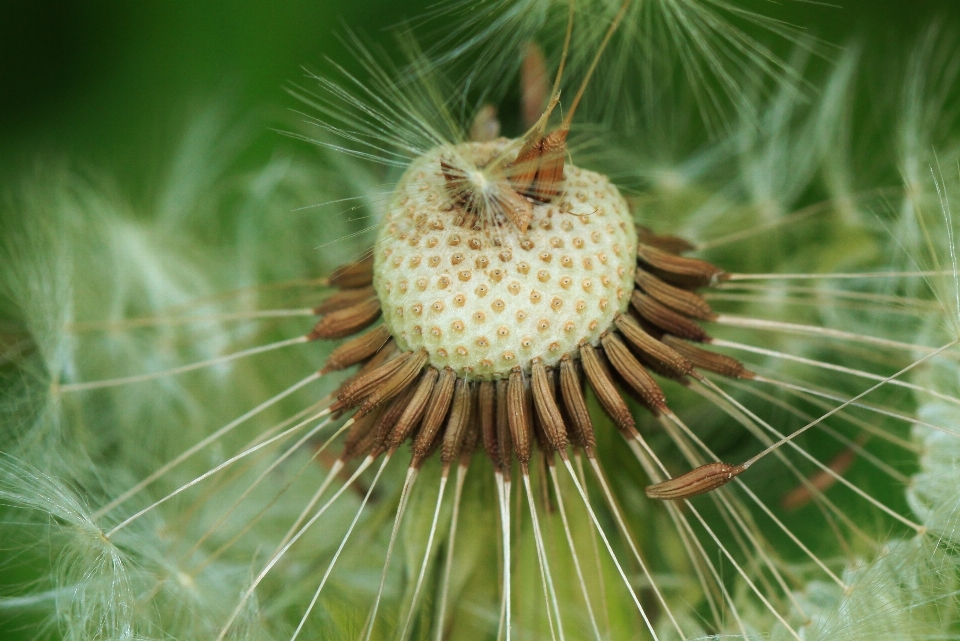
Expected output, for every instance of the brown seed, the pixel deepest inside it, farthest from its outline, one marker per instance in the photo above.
(518, 415)
(343, 299)
(671, 244)
(707, 360)
(356, 349)
(486, 399)
(669, 321)
(349, 320)
(633, 372)
(504, 439)
(388, 419)
(414, 410)
(602, 383)
(702, 479)
(358, 274)
(689, 273)
(352, 393)
(541, 386)
(396, 383)
(686, 302)
(461, 412)
(359, 436)
(580, 427)
(669, 361)
(436, 412)
(550, 169)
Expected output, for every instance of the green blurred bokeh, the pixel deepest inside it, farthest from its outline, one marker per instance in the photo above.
(105, 84)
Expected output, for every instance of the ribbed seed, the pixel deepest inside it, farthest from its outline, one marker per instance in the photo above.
(602, 383)
(359, 436)
(346, 321)
(384, 354)
(671, 362)
(703, 479)
(343, 299)
(353, 393)
(580, 427)
(396, 383)
(389, 418)
(707, 360)
(523, 170)
(553, 151)
(667, 243)
(518, 415)
(669, 321)
(460, 414)
(504, 438)
(680, 300)
(689, 273)
(356, 349)
(471, 439)
(436, 412)
(358, 274)
(541, 385)
(633, 372)
(486, 399)
(415, 408)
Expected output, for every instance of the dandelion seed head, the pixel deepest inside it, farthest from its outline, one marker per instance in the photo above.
(481, 296)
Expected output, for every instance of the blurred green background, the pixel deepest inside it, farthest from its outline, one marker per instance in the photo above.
(107, 83)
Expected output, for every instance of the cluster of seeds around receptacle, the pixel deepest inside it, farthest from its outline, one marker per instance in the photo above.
(398, 395)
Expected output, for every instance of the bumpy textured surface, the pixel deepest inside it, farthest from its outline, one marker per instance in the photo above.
(486, 300)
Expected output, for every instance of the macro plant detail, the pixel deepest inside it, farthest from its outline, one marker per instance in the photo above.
(535, 400)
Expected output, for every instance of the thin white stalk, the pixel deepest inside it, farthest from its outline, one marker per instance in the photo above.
(814, 330)
(606, 543)
(839, 275)
(426, 558)
(788, 440)
(230, 461)
(166, 467)
(830, 366)
(404, 496)
(710, 453)
(283, 550)
(139, 378)
(548, 590)
(448, 562)
(646, 456)
(601, 584)
(154, 321)
(343, 543)
(503, 495)
(573, 552)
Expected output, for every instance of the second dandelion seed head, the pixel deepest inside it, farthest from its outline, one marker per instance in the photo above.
(458, 276)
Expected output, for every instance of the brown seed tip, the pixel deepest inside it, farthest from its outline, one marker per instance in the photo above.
(698, 481)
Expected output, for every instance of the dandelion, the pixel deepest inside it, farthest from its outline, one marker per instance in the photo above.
(568, 392)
